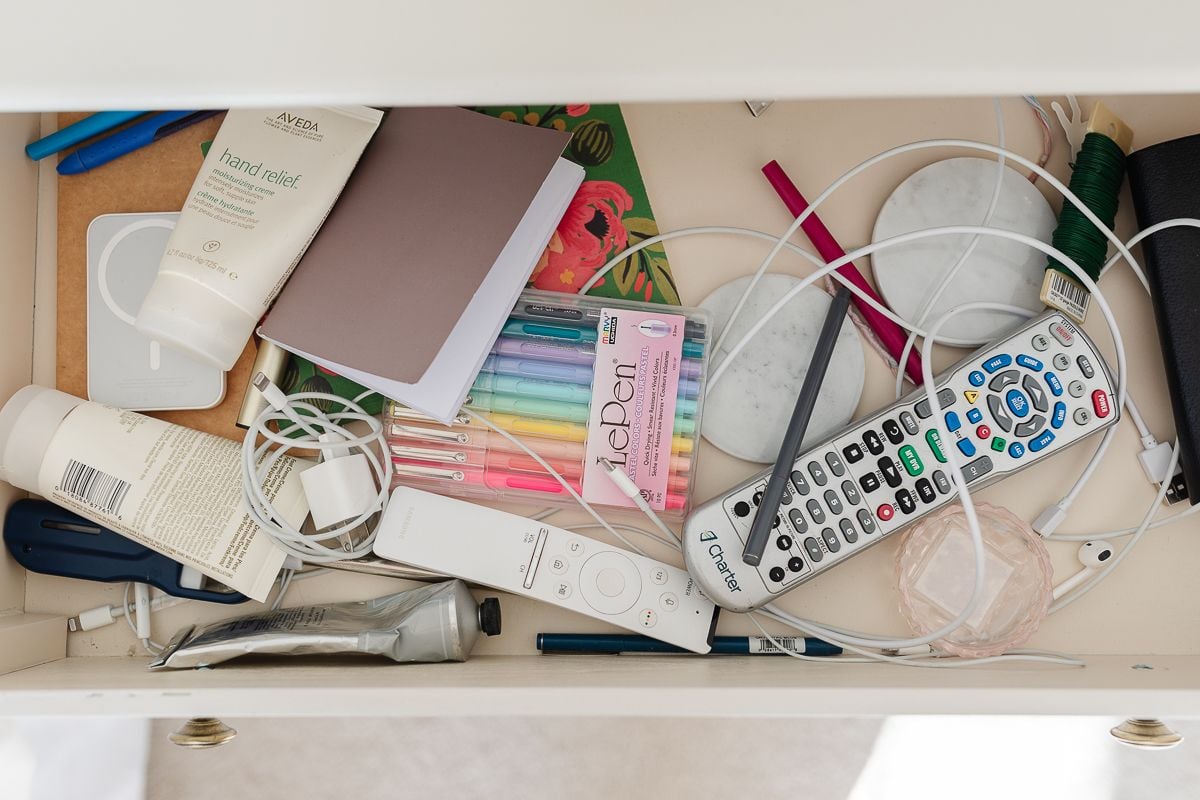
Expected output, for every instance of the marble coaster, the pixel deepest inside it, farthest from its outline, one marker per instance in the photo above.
(746, 413)
(957, 192)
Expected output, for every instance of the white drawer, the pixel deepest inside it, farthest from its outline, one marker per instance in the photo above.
(1141, 627)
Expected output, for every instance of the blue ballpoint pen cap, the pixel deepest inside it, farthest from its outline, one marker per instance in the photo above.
(71, 165)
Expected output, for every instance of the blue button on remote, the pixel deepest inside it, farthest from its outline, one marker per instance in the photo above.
(977, 378)
(966, 447)
(1059, 416)
(1029, 362)
(1016, 449)
(1054, 383)
(997, 362)
(974, 416)
(1017, 403)
(1041, 442)
(953, 423)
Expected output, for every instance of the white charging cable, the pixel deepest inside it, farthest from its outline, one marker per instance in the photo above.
(345, 491)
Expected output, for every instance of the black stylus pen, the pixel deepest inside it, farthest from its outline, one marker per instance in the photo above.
(793, 438)
(601, 643)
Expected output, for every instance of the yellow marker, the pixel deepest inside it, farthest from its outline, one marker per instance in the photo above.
(567, 431)
(971, 395)
(681, 444)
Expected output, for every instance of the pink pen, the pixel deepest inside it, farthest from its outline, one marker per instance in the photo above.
(890, 334)
(495, 479)
(419, 432)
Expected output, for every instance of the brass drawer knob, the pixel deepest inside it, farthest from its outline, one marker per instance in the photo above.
(1150, 734)
(201, 733)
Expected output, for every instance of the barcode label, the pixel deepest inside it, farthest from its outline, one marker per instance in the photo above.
(93, 487)
(761, 644)
(1062, 292)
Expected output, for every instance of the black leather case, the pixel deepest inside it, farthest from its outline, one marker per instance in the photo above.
(1165, 181)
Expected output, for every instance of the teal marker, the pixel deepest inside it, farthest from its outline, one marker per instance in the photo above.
(567, 333)
(498, 383)
(563, 411)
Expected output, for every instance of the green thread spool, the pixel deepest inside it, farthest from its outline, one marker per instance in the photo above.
(1096, 178)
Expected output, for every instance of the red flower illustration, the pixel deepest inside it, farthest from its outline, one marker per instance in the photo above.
(588, 235)
(578, 110)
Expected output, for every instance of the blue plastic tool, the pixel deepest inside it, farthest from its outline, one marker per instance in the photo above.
(45, 538)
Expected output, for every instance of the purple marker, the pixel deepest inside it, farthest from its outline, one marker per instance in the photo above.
(577, 354)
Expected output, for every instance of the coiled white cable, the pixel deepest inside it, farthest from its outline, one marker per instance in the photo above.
(301, 425)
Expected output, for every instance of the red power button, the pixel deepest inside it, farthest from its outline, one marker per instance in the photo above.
(1100, 403)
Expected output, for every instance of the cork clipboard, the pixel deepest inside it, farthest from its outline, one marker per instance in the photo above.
(154, 178)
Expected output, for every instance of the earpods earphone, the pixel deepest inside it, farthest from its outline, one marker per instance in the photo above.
(1092, 555)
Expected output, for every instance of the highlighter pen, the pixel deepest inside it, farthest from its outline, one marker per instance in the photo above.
(567, 333)
(485, 460)
(499, 461)
(611, 643)
(565, 411)
(125, 141)
(568, 431)
(565, 391)
(581, 354)
(418, 433)
(537, 370)
(574, 313)
(524, 426)
(496, 480)
(77, 132)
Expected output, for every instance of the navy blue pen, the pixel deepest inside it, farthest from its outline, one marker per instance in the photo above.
(608, 643)
(125, 141)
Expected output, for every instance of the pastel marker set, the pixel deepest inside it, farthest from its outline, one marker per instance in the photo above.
(576, 379)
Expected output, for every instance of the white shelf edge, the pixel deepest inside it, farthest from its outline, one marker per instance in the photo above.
(602, 686)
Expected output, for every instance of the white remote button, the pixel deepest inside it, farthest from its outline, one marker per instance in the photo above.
(1000, 418)
(514, 554)
(610, 583)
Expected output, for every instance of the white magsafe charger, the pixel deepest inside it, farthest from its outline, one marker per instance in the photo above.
(125, 368)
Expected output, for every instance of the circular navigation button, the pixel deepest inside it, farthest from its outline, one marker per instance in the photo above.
(558, 565)
(667, 601)
(610, 583)
(575, 547)
(562, 590)
(1076, 388)
(776, 574)
(647, 618)
(741, 508)
(658, 576)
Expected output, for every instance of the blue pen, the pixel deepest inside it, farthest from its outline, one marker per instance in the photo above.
(132, 138)
(77, 132)
(569, 333)
(722, 645)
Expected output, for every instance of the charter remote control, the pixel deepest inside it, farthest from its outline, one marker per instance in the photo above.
(529, 558)
(1008, 405)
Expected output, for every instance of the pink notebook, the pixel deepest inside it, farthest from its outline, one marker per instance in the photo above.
(409, 280)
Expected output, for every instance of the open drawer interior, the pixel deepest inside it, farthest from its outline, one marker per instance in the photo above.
(1139, 630)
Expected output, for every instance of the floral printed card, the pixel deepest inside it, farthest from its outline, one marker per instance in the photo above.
(609, 213)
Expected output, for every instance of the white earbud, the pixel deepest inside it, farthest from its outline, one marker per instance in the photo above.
(1092, 555)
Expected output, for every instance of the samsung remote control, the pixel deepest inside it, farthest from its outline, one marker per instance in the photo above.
(1009, 405)
(529, 558)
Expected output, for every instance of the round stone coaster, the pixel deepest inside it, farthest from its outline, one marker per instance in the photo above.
(746, 413)
(957, 192)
